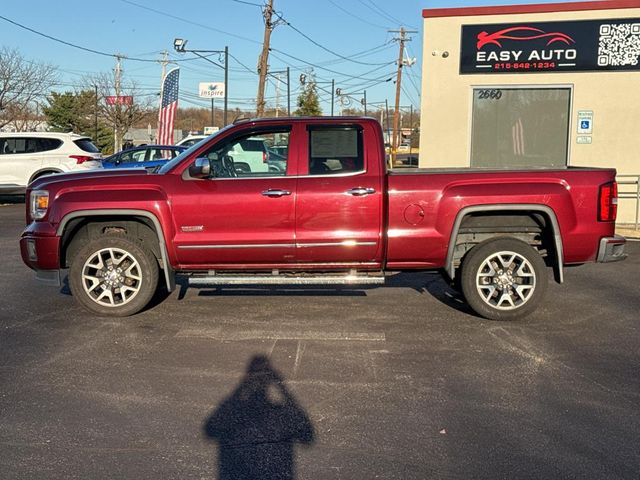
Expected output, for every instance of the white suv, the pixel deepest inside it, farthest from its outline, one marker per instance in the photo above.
(25, 156)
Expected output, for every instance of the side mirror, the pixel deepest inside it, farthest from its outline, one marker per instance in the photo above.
(201, 168)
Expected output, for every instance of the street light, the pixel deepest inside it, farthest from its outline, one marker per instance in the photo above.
(179, 44)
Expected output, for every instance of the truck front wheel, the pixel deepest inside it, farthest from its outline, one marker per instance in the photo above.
(114, 275)
(503, 279)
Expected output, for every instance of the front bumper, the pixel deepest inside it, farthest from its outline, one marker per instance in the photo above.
(611, 249)
(40, 251)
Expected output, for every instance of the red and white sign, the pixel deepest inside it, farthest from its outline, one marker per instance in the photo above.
(119, 100)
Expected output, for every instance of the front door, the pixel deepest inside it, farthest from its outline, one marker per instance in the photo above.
(238, 217)
(339, 203)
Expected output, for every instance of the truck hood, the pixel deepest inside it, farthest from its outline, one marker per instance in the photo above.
(90, 174)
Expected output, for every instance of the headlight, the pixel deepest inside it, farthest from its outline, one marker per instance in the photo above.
(39, 204)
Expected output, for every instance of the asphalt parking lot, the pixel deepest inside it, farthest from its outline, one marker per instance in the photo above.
(398, 382)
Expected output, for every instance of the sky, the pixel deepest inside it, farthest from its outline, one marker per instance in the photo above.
(320, 34)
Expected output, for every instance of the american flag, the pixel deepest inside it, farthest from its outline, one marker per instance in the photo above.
(168, 107)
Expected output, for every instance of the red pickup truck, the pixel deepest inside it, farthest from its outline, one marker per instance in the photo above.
(316, 205)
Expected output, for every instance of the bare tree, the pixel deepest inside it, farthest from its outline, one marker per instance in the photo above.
(120, 115)
(22, 82)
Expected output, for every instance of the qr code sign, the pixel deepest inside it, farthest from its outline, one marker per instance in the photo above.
(619, 44)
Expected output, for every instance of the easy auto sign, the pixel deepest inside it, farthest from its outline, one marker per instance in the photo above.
(589, 45)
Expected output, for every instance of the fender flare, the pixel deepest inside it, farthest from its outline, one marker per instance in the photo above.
(168, 270)
(511, 207)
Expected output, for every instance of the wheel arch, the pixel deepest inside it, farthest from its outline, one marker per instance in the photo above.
(74, 219)
(548, 212)
(42, 172)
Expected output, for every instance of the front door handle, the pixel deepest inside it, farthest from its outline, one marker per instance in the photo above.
(361, 191)
(273, 192)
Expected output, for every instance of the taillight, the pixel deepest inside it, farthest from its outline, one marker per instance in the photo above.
(265, 157)
(81, 158)
(608, 202)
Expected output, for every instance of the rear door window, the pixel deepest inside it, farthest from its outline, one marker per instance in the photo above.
(335, 150)
(47, 144)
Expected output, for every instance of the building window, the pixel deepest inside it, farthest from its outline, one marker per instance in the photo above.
(520, 127)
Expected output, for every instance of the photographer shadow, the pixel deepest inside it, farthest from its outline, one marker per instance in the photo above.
(257, 427)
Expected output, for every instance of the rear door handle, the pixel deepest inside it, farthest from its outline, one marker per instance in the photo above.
(273, 192)
(361, 191)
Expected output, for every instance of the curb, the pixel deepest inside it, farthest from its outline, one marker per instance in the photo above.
(629, 233)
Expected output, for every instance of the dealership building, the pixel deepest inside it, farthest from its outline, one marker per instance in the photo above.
(533, 86)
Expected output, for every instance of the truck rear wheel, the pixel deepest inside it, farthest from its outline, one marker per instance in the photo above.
(503, 279)
(114, 275)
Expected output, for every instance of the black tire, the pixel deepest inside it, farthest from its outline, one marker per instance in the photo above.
(503, 296)
(140, 263)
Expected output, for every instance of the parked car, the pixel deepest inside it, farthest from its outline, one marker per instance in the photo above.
(333, 216)
(26, 156)
(404, 148)
(190, 140)
(150, 157)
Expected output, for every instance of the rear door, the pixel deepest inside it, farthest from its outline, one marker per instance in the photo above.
(340, 197)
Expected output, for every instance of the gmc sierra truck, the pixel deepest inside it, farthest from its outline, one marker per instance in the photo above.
(326, 212)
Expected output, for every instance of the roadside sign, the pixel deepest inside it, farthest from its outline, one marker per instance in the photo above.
(210, 130)
(119, 100)
(211, 90)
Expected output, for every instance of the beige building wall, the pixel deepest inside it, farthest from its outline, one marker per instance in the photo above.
(445, 124)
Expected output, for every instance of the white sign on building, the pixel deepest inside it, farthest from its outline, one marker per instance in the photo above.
(211, 90)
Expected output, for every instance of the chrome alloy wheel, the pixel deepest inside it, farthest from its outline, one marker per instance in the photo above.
(505, 280)
(111, 277)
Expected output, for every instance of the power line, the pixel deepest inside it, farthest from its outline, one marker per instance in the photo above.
(247, 3)
(64, 42)
(286, 22)
(175, 17)
(356, 16)
(371, 5)
(80, 47)
(320, 67)
(243, 65)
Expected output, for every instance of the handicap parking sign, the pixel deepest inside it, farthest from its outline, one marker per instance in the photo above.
(585, 122)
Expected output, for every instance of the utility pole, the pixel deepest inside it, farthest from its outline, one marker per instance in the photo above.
(288, 92)
(277, 95)
(164, 62)
(96, 115)
(263, 62)
(117, 140)
(396, 116)
(226, 84)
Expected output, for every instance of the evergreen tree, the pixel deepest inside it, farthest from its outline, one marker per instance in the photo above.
(308, 101)
(75, 112)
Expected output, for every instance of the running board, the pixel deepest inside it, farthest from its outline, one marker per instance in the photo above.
(226, 279)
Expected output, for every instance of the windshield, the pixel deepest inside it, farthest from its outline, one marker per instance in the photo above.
(169, 165)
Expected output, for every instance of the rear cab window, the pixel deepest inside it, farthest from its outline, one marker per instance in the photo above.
(335, 150)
